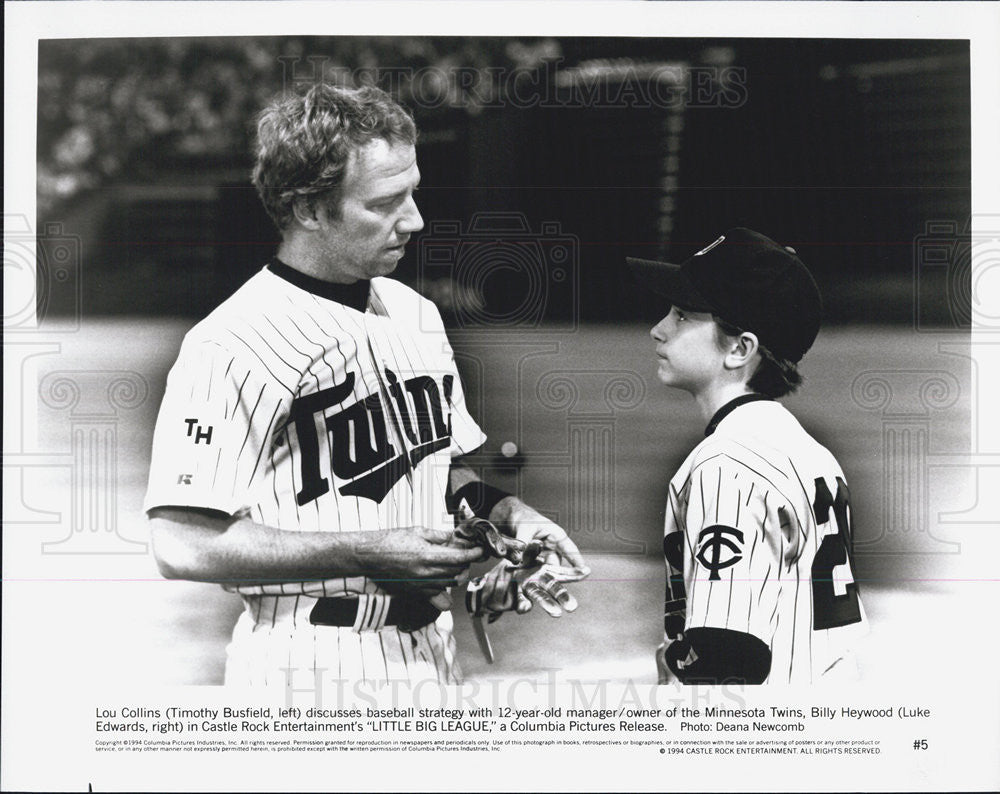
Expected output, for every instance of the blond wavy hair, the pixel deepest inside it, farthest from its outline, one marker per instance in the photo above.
(304, 142)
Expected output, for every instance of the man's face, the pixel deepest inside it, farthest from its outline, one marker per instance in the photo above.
(687, 347)
(377, 213)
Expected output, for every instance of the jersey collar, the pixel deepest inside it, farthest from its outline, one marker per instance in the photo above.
(731, 406)
(353, 295)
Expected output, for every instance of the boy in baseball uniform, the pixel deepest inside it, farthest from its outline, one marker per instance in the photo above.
(757, 536)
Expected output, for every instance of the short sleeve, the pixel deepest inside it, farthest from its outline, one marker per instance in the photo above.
(466, 435)
(735, 548)
(214, 429)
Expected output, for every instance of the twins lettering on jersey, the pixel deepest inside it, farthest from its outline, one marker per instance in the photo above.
(362, 453)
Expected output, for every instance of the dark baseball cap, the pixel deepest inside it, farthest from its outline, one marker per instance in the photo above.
(746, 280)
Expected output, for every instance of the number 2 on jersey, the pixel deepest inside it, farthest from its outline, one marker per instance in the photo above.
(831, 610)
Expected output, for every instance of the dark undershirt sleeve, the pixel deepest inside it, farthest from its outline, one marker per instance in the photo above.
(719, 656)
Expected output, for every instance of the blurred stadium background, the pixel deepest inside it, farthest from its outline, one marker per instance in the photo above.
(544, 162)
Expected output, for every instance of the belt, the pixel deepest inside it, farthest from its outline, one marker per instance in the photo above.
(371, 613)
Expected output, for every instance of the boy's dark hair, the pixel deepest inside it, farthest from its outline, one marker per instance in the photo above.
(774, 377)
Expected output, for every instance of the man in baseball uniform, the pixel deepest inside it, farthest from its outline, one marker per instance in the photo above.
(306, 450)
(758, 538)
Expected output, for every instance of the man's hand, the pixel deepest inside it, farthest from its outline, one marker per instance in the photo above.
(233, 550)
(557, 554)
(518, 587)
(549, 559)
(480, 532)
(421, 562)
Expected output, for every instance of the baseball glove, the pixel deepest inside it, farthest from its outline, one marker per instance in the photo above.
(482, 533)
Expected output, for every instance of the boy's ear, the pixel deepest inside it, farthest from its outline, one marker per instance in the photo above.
(742, 350)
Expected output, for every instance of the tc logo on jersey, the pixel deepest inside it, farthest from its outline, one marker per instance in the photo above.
(361, 451)
(712, 542)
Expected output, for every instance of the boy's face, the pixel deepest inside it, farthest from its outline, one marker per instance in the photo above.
(689, 354)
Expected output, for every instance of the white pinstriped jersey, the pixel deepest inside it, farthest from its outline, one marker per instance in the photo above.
(308, 415)
(758, 540)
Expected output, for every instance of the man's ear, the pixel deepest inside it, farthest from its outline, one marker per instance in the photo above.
(742, 350)
(304, 209)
